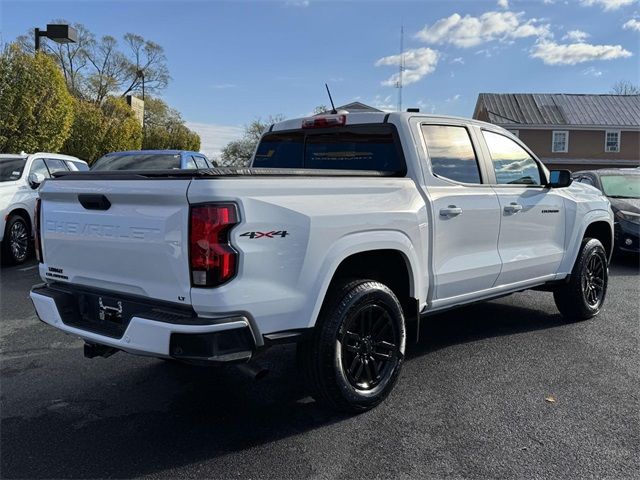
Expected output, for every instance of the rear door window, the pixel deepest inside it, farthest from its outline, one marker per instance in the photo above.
(451, 153)
(359, 147)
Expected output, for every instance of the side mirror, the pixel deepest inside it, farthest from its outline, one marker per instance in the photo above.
(35, 179)
(559, 179)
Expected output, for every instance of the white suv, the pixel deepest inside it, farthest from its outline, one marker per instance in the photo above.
(20, 176)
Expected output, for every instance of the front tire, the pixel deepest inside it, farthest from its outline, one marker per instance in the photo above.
(583, 296)
(356, 353)
(16, 244)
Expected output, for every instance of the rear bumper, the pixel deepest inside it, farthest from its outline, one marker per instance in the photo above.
(228, 339)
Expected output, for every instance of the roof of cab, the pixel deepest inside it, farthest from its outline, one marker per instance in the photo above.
(360, 118)
(154, 152)
(611, 171)
(57, 156)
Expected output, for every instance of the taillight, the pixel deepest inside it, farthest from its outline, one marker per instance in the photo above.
(36, 225)
(324, 121)
(212, 259)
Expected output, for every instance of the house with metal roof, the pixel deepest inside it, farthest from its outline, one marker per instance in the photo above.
(573, 131)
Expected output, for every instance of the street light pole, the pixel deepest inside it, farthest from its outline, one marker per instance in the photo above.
(60, 33)
(37, 33)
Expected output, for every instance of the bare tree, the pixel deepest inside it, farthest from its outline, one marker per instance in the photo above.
(145, 58)
(109, 68)
(625, 87)
(95, 69)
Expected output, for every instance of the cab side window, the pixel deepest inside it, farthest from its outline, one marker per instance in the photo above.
(38, 166)
(200, 163)
(586, 180)
(451, 153)
(189, 163)
(56, 165)
(76, 166)
(512, 163)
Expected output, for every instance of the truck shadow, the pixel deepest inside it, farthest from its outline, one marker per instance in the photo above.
(476, 322)
(159, 417)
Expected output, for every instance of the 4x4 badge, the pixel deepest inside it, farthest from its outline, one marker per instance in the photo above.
(272, 234)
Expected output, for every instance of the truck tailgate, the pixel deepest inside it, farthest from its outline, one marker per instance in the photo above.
(130, 236)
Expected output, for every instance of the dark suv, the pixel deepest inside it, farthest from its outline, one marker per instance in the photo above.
(153, 160)
(622, 188)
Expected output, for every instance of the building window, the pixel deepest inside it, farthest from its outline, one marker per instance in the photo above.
(612, 141)
(560, 141)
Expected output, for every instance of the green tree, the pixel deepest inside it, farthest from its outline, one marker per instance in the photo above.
(238, 153)
(36, 109)
(122, 129)
(98, 130)
(165, 128)
(87, 132)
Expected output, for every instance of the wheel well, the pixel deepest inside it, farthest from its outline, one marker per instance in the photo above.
(601, 231)
(21, 212)
(389, 267)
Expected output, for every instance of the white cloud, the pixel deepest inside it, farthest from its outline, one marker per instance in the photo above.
(552, 53)
(632, 24)
(385, 104)
(576, 36)
(459, 60)
(418, 63)
(455, 98)
(213, 137)
(608, 4)
(469, 31)
(592, 72)
(503, 3)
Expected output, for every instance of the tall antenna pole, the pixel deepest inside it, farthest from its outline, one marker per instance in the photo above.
(401, 68)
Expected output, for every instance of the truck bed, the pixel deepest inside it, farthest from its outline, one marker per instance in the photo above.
(221, 172)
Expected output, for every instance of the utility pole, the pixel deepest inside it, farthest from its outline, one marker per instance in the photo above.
(140, 74)
(401, 68)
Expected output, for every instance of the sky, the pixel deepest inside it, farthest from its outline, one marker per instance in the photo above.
(234, 61)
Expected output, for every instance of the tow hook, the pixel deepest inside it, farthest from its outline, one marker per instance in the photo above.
(92, 350)
(253, 371)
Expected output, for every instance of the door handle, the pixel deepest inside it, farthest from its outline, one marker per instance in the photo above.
(450, 211)
(512, 208)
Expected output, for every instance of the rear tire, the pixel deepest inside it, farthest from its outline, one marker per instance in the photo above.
(583, 296)
(355, 355)
(16, 243)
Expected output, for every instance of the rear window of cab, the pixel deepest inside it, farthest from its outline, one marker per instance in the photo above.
(357, 147)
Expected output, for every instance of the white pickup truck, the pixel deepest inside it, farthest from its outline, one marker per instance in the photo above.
(347, 230)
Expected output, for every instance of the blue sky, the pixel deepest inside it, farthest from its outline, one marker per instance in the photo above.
(231, 62)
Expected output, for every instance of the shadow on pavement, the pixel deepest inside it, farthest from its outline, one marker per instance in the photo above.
(162, 416)
(623, 264)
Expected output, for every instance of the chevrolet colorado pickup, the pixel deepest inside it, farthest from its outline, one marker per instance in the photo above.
(347, 230)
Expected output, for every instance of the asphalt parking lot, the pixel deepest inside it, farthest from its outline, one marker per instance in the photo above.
(474, 401)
